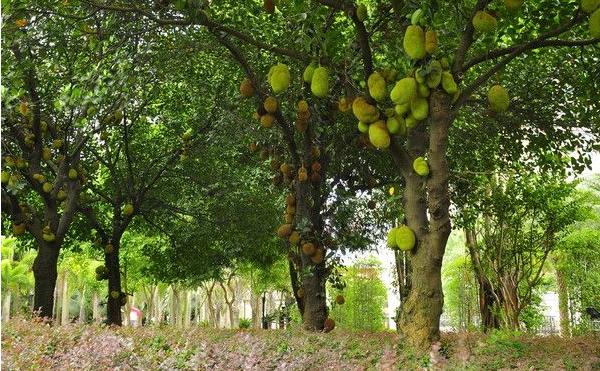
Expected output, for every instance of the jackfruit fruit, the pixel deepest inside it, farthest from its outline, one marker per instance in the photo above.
(362, 127)
(109, 248)
(47, 187)
(377, 88)
(294, 238)
(391, 238)
(396, 125)
(498, 99)
(445, 63)
(39, 177)
(309, 249)
(594, 24)
(315, 177)
(404, 91)
(378, 135)
(267, 120)
(419, 108)
(270, 104)
(302, 106)
(308, 72)
(435, 75)
(405, 238)
(302, 174)
(421, 166)
(422, 90)
(410, 121)
(340, 299)
(61, 195)
(73, 174)
(448, 83)
(328, 325)
(484, 22)
(514, 4)
(364, 111)
(401, 109)
(279, 77)
(319, 84)
(246, 88)
(128, 209)
(431, 42)
(344, 104)
(317, 257)
(46, 154)
(589, 6)
(414, 42)
(284, 230)
(5, 177)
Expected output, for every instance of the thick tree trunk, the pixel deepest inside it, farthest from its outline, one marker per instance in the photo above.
(188, 309)
(403, 272)
(45, 274)
(256, 313)
(563, 303)
(511, 304)
(113, 306)
(6, 307)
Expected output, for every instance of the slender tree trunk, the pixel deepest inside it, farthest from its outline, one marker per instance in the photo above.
(95, 307)
(66, 300)
(563, 303)
(487, 297)
(82, 316)
(6, 307)
(45, 274)
(188, 309)
(255, 305)
(173, 307)
(111, 261)
(403, 275)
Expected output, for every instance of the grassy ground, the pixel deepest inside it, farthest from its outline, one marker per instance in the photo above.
(27, 345)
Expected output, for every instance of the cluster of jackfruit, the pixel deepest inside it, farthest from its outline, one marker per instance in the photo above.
(402, 238)
(101, 273)
(186, 144)
(48, 234)
(592, 7)
(318, 78)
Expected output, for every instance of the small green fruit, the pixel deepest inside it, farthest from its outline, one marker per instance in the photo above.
(73, 174)
(319, 84)
(405, 238)
(421, 166)
(498, 99)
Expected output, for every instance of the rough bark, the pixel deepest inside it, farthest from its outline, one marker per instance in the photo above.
(420, 315)
(66, 299)
(82, 314)
(255, 305)
(96, 307)
(188, 309)
(45, 274)
(113, 306)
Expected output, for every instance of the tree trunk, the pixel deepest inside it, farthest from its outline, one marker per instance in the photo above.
(82, 316)
(6, 307)
(188, 309)
(173, 307)
(45, 274)
(403, 276)
(563, 303)
(255, 305)
(113, 306)
(512, 306)
(96, 307)
(66, 300)
(488, 298)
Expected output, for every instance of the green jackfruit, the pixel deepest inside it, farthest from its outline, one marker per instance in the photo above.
(414, 42)
(402, 109)
(419, 107)
(377, 88)
(421, 166)
(595, 24)
(405, 238)
(396, 125)
(361, 12)
(362, 127)
(308, 73)
(448, 83)
(484, 22)
(404, 91)
(423, 90)
(319, 84)
(431, 42)
(410, 121)
(279, 77)
(47, 187)
(378, 135)
(589, 6)
(498, 99)
(513, 4)
(391, 239)
(435, 75)
(364, 111)
(445, 63)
